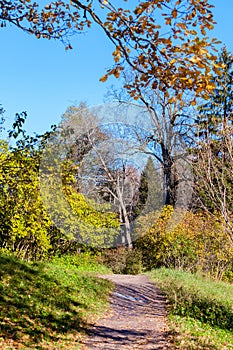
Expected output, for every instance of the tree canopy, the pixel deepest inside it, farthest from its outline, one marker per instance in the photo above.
(164, 41)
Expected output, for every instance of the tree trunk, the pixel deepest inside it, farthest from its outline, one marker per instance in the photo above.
(170, 181)
(125, 220)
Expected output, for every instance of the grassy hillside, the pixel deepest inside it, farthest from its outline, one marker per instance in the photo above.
(200, 309)
(48, 305)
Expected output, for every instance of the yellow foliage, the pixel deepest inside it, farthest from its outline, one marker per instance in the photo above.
(186, 240)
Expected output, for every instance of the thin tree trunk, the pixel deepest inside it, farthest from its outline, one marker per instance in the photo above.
(169, 177)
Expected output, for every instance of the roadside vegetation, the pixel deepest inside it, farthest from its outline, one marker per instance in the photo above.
(200, 309)
(49, 305)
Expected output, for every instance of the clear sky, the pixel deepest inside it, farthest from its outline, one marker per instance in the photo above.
(40, 77)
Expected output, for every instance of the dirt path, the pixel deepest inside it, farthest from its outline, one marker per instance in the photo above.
(136, 318)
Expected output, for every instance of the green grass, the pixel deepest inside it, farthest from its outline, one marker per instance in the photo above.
(200, 309)
(49, 305)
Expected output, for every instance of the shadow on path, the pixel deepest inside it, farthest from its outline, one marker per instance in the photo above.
(136, 318)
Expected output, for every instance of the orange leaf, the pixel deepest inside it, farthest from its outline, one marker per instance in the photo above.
(174, 13)
(168, 21)
(104, 78)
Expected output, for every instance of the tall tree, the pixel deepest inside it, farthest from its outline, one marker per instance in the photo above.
(150, 191)
(105, 170)
(109, 169)
(217, 113)
(214, 154)
(164, 129)
(78, 125)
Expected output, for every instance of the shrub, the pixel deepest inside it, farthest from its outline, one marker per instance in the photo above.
(123, 260)
(196, 242)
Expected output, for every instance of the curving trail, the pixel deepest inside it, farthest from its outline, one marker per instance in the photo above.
(136, 319)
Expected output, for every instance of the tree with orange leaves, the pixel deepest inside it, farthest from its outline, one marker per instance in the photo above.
(164, 41)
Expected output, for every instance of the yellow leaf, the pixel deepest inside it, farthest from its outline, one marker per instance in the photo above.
(172, 100)
(172, 61)
(194, 59)
(210, 86)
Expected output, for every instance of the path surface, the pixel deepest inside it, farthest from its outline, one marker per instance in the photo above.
(135, 320)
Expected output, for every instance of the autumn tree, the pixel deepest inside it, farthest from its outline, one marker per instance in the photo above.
(180, 59)
(27, 227)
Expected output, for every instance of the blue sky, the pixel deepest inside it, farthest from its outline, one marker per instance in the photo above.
(40, 77)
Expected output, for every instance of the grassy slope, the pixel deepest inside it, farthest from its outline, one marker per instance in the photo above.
(48, 305)
(200, 310)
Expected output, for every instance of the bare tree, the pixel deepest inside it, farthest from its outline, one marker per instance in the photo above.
(214, 184)
(115, 179)
(213, 155)
(164, 130)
